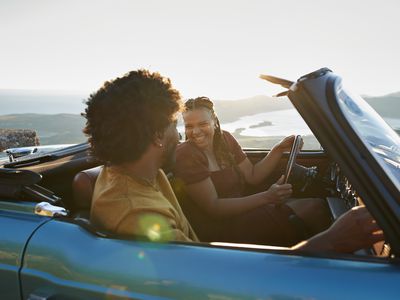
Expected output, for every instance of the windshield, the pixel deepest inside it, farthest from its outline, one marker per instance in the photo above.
(377, 135)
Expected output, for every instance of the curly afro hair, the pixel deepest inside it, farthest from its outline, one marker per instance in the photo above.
(125, 115)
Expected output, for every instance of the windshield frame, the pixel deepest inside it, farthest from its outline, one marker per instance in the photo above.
(314, 97)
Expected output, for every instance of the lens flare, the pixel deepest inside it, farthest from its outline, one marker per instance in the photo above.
(155, 227)
(153, 233)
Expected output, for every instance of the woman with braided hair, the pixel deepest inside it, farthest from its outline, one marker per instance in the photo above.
(213, 170)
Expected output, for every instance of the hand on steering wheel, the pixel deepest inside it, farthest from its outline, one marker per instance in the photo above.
(279, 191)
(296, 146)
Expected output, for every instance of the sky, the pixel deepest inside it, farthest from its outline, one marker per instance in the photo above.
(215, 48)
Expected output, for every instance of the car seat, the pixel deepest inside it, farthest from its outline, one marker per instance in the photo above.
(82, 188)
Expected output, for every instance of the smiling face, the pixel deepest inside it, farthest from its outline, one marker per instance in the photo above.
(200, 127)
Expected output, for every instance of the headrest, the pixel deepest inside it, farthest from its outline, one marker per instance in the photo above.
(83, 187)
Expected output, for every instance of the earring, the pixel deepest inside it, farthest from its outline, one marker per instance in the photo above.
(160, 145)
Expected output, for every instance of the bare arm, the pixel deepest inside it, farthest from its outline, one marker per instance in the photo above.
(354, 230)
(256, 173)
(205, 195)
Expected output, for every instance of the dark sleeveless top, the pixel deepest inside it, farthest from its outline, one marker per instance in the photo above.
(192, 167)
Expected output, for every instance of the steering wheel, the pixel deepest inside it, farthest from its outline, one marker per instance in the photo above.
(296, 146)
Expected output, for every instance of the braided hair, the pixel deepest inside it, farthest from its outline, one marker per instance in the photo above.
(223, 154)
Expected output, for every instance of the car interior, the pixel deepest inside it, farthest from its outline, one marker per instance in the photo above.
(69, 180)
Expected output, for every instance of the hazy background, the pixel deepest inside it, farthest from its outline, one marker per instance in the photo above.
(54, 53)
(259, 121)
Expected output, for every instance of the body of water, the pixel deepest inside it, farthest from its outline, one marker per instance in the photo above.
(283, 123)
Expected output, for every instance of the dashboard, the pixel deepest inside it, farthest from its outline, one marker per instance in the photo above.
(343, 197)
(341, 194)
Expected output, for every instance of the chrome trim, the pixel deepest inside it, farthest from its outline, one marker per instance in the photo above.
(49, 210)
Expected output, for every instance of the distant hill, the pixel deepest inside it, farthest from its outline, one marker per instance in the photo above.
(59, 102)
(51, 129)
(231, 110)
(60, 128)
(387, 106)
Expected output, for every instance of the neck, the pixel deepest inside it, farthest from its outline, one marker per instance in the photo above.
(146, 167)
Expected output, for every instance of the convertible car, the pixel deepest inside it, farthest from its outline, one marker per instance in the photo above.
(49, 249)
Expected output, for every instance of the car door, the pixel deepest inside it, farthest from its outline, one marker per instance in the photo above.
(65, 261)
(17, 223)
